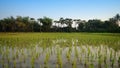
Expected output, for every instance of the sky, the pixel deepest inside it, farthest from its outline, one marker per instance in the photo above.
(76, 9)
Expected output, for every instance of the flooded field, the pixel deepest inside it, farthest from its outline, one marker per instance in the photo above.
(55, 50)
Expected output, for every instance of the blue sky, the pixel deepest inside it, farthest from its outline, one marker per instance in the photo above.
(82, 9)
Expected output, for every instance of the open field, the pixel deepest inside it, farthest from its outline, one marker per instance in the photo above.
(59, 50)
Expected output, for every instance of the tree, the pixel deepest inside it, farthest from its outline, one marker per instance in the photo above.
(1, 26)
(62, 21)
(112, 25)
(80, 23)
(46, 23)
(93, 25)
(13, 24)
(117, 18)
(21, 24)
(69, 22)
(8, 24)
(81, 27)
(35, 27)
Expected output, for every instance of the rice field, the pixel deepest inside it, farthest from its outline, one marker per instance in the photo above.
(59, 50)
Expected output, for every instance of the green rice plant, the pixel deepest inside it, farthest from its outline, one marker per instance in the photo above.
(32, 61)
(37, 55)
(99, 61)
(76, 52)
(119, 61)
(21, 59)
(80, 58)
(111, 56)
(8, 59)
(106, 66)
(2, 63)
(105, 60)
(74, 65)
(57, 66)
(92, 57)
(68, 56)
(59, 59)
(46, 66)
(24, 60)
(83, 50)
(70, 49)
(59, 62)
(112, 62)
(14, 64)
(91, 66)
(85, 61)
(88, 51)
(46, 58)
(20, 42)
(6, 66)
(17, 54)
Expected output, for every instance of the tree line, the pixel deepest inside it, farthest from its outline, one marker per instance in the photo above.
(46, 24)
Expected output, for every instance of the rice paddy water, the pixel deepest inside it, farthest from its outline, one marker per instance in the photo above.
(55, 50)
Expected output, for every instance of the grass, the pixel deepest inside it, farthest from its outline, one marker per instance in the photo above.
(27, 39)
(90, 49)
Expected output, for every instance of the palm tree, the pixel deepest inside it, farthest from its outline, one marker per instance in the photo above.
(62, 21)
(68, 22)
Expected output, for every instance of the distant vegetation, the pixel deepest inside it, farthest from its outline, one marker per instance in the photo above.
(45, 24)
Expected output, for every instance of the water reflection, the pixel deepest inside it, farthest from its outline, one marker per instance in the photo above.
(80, 56)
